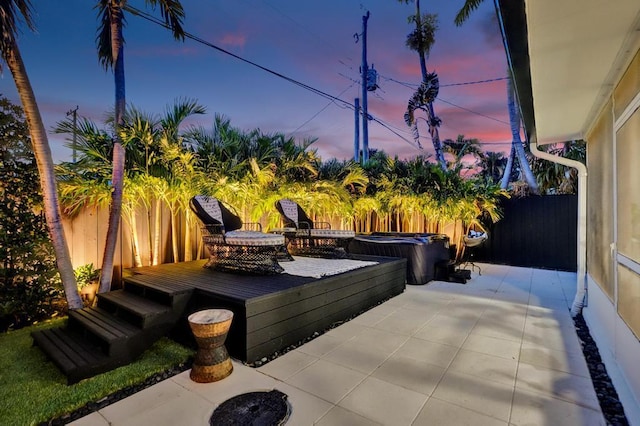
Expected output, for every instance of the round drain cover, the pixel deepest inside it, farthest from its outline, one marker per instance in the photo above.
(254, 409)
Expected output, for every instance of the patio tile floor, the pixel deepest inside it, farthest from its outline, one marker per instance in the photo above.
(500, 350)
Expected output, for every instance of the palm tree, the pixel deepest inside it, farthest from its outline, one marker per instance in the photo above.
(110, 44)
(462, 147)
(554, 177)
(421, 40)
(10, 13)
(468, 7)
(516, 142)
(517, 148)
(492, 166)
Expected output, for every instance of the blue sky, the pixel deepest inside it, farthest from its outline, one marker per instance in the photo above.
(310, 41)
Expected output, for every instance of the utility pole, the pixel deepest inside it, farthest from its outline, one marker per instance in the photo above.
(74, 112)
(356, 141)
(365, 73)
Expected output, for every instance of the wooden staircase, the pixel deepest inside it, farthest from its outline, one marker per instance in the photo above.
(119, 329)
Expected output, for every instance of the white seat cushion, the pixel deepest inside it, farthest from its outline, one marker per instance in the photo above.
(253, 238)
(331, 233)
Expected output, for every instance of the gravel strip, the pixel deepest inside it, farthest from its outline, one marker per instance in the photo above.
(607, 395)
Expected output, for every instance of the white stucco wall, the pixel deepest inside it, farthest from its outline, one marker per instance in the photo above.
(619, 348)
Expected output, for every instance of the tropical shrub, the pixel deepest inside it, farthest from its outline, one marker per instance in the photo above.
(86, 275)
(29, 282)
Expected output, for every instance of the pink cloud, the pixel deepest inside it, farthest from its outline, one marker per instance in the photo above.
(233, 40)
(179, 50)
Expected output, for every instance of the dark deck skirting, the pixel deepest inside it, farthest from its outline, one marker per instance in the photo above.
(276, 311)
(270, 312)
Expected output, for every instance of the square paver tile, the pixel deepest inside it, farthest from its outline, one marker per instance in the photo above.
(305, 407)
(562, 339)
(326, 380)
(475, 393)
(500, 328)
(446, 329)
(370, 318)
(347, 331)
(405, 321)
(322, 345)
(384, 402)
(438, 412)
(487, 367)
(419, 376)
(569, 362)
(536, 409)
(93, 419)
(358, 356)
(287, 365)
(571, 388)
(381, 340)
(508, 349)
(166, 403)
(432, 352)
(339, 416)
(242, 379)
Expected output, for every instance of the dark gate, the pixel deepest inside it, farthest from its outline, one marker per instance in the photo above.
(537, 231)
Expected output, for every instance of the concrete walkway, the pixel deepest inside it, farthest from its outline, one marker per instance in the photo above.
(499, 350)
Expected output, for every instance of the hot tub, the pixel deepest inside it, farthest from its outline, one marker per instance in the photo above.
(422, 251)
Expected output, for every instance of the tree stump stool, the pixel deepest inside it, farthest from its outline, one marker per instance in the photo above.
(210, 328)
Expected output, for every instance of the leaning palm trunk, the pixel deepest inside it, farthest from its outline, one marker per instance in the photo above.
(114, 218)
(432, 119)
(44, 161)
(514, 119)
(506, 177)
(118, 156)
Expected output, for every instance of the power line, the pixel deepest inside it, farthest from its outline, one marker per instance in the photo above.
(473, 112)
(466, 83)
(195, 38)
(333, 99)
(321, 110)
(306, 29)
(154, 20)
(388, 127)
(413, 87)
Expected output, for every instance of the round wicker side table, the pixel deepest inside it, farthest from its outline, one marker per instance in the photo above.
(210, 328)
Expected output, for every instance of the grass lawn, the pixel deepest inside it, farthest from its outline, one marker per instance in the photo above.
(33, 390)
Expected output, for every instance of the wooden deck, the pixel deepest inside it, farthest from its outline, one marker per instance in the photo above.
(273, 312)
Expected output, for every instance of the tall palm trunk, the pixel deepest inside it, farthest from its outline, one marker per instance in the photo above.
(44, 161)
(157, 232)
(174, 233)
(431, 116)
(514, 120)
(188, 244)
(130, 213)
(506, 177)
(118, 154)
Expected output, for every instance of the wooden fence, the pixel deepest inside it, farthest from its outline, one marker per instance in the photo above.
(535, 232)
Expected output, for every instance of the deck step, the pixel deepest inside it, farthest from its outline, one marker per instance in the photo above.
(135, 309)
(158, 289)
(74, 355)
(114, 335)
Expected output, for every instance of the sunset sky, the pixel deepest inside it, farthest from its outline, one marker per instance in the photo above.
(308, 41)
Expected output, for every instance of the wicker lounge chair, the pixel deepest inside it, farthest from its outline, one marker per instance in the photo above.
(231, 248)
(308, 238)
